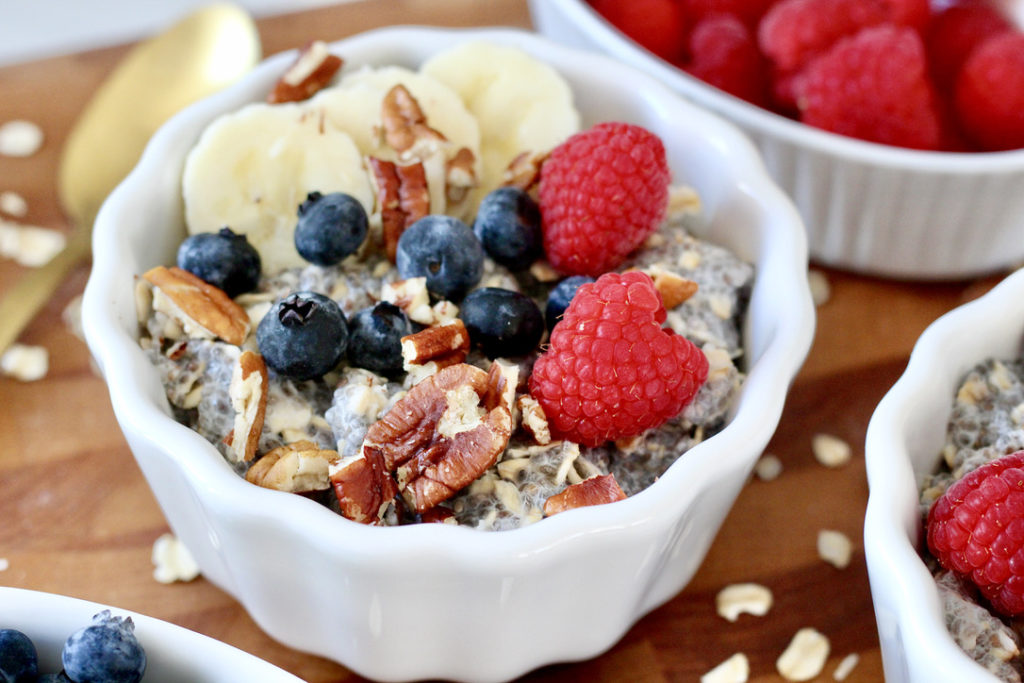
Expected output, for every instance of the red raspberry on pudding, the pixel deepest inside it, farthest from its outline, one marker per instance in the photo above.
(611, 370)
(602, 193)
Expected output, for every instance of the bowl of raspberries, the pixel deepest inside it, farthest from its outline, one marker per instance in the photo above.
(895, 125)
(945, 464)
(50, 638)
(447, 352)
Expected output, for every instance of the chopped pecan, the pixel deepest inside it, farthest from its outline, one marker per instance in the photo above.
(502, 381)
(674, 289)
(296, 468)
(363, 486)
(438, 515)
(411, 296)
(402, 198)
(443, 345)
(248, 393)
(534, 421)
(524, 170)
(311, 71)
(593, 491)
(405, 125)
(460, 175)
(203, 310)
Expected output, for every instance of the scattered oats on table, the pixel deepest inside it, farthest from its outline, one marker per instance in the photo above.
(736, 669)
(805, 656)
(25, 363)
(20, 138)
(831, 451)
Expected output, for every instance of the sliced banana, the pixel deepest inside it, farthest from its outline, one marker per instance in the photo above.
(520, 103)
(252, 168)
(355, 107)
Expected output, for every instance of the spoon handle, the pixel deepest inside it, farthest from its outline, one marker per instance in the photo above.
(22, 301)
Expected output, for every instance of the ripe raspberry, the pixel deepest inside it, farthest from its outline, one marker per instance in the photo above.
(725, 55)
(976, 530)
(747, 11)
(872, 86)
(611, 370)
(990, 92)
(602, 193)
(658, 25)
(954, 33)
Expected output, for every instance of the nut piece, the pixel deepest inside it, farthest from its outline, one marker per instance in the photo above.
(402, 198)
(502, 380)
(460, 175)
(311, 71)
(534, 420)
(805, 656)
(203, 310)
(683, 201)
(442, 345)
(363, 486)
(20, 138)
(593, 491)
(296, 468)
(438, 515)
(743, 598)
(405, 125)
(523, 171)
(248, 393)
(412, 297)
(25, 363)
(736, 669)
(830, 451)
(835, 548)
(673, 289)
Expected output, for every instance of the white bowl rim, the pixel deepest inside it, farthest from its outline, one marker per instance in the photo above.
(891, 479)
(648, 511)
(794, 132)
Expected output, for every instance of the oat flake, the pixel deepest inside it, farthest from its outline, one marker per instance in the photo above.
(13, 204)
(768, 467)
(846, 666)
(830, 451)
(20, 138)
(25, 363)
(736, 669)
(805, 657)
(172, 560)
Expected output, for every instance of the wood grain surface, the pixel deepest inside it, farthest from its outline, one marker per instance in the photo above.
(77, 518)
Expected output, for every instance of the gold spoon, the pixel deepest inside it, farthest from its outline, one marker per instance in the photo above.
(199, 55)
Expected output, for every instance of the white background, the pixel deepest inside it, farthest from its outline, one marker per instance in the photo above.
(33, 29)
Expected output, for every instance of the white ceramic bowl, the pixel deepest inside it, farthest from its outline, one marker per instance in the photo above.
(434, 600)
(173, 654)
(867, 207)
(904, 439)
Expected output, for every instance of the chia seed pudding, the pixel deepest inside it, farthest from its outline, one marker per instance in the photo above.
(987, 422)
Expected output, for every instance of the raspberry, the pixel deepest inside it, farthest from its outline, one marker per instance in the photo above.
(872, 86)
(954, 33)
(990, 93)
(658, 25)
(725, 55)
(611, 370)
(602, 193)
(747, 11)
(976, 530)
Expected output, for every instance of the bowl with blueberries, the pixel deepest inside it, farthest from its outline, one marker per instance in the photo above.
(53, 638)
(471, 332)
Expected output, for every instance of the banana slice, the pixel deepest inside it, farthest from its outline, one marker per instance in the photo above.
(252, 168)
(520, 103)
(355, 106)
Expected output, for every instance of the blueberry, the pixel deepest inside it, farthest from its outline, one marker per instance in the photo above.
(18, 660)
(331, 226)
(375, 338)
(54, 678)
(303, 335)
(561, 295)
(502, 322)
(224, 259)
(105, 651)
(445, 251)
(508, 226)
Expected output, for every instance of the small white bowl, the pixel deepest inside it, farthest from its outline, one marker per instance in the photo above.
(867, 207)
(435, 601)
(904, 440)
(173, 654)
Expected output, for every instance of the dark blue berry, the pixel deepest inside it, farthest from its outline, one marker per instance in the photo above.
(106, 651)
(331, 226)
(224, 259)
(508, 226)
(502, 322)
(375, 338)
(445, 251)
(560, 296)
(303, 335)
(19, 662)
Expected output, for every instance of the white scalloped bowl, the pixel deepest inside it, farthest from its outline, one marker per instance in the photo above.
(173, 654)
(870, 208)
(904, 440)
(438, 601)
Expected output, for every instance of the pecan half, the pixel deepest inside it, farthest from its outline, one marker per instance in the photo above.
(405, 125)
(248, 394)
(402, 198)
(593, 491)
(203, 310)
(311, 71)
(296, 468)
(523, 171)
(443, 345)
(363, 486)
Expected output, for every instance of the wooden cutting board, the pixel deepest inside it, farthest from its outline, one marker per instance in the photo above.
(77, 518)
